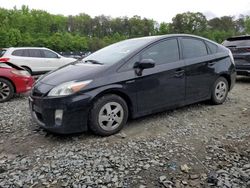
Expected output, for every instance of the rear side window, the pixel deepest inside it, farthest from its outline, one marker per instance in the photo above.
(163, 52)
(17, 53)
(35, 53)
(2, 52)
(193, 48)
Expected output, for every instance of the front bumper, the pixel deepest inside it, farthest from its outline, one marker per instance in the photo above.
(75, 113)
(242, 64)
(23, 84)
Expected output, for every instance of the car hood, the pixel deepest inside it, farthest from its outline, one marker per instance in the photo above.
(71, 72)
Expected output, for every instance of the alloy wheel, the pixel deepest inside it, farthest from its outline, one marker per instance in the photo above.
(220, 90)
(4, 91)
(111, 116)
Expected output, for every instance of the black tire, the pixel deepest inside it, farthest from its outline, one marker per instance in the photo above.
(99, 107)
(6, 90)
(27, 69)
(217, 97)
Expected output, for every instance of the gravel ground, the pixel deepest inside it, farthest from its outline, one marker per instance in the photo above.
(195, 146)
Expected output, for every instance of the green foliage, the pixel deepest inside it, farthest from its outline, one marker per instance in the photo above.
(25, 27)
(189, 22)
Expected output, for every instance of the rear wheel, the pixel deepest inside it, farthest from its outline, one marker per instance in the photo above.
(108, 115)
(219, 91)
(6, 90)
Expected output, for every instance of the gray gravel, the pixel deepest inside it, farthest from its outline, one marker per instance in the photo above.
(195, 146)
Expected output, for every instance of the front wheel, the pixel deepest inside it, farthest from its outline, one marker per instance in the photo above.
(6, 90)
(219, 91)
(108, 115)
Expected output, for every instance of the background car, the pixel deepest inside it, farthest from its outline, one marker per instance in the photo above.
(13, 80)
(240, 47)
(34, 60)
(132, 78)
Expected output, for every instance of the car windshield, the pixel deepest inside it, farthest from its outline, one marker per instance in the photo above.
(116, 52)
(2, 52)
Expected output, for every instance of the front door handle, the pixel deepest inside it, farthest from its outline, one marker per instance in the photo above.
(179, 73)
(210, 64)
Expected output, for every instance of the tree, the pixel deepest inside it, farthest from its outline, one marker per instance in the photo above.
(164, 28)
(189, 22)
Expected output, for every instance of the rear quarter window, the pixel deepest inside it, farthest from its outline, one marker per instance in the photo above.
(212, 48)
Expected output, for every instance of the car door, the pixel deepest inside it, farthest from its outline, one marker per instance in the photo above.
(163, 85)
(36, 61)
(199, 69)
(52, 59)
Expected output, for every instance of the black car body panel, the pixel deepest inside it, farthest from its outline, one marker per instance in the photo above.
(240, 48)
(168, 85)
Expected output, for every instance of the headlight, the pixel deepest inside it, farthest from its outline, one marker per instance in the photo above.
(21, 73)
(68, 88)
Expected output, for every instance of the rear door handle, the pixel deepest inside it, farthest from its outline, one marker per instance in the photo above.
(179, 73)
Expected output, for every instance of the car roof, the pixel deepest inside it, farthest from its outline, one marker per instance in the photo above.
(28, 48)
(158, 37)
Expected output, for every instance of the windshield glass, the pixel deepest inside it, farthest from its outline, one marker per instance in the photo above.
(115, 52)
(2, 52)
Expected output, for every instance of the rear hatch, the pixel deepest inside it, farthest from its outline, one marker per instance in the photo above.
(240, 48)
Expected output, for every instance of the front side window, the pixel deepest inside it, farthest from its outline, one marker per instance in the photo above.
(193, 48)
(163, 52)
(35, 53)
(49, 54)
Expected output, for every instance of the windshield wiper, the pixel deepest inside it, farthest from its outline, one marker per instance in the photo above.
(93, 61)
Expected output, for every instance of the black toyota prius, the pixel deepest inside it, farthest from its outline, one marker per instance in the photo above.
(130, 79)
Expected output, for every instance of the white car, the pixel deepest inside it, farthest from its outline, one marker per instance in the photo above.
(35, 60)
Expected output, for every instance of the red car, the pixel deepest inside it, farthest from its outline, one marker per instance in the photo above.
(13, 79)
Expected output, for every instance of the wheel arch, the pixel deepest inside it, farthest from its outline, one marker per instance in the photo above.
(120, 93)
(228, 78)
(13, 84)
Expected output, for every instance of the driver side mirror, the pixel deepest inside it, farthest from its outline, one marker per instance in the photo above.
(143, 64)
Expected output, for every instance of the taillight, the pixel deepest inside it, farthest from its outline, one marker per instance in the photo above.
(4, 60)
(248, 49)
